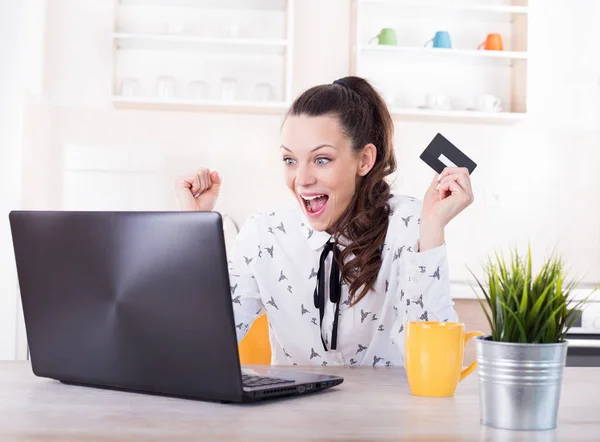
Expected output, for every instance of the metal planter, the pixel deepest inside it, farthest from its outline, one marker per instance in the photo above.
(520, 384)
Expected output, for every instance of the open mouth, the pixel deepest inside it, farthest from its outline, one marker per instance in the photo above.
(315, 204)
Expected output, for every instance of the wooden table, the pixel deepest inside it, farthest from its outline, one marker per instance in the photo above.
(372, 404)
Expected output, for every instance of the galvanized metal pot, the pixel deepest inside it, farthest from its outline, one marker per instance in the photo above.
(519, 384)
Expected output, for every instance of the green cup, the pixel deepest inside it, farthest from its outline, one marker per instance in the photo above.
(387, 36)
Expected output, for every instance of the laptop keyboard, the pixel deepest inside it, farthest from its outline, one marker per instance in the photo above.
(261, 381)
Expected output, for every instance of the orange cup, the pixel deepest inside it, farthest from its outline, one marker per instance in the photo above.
(493, 42)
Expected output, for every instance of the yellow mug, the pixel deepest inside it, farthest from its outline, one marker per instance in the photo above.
(434, 357)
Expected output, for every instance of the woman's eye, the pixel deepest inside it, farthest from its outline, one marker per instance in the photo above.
(289, 161)
(322, 161)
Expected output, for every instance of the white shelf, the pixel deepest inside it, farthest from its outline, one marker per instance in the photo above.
(500, 10)
(459, 115)
(142, 103)
(510, 55)
(210, 4)
(206, 44)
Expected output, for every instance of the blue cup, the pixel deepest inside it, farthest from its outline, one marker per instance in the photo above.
(441, 39)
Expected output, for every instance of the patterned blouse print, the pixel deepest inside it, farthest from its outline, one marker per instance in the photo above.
(273, 268)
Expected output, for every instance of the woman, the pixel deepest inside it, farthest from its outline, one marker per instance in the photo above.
(390, 262)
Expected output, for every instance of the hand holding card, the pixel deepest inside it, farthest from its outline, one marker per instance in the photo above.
(449, 194)
(441, 153)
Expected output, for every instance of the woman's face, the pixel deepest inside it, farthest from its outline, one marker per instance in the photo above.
(321, 169)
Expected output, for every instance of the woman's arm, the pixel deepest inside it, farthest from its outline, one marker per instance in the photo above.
(424, 285)
(245, 296)
(423, 279)
(423, 292)
(425, 269)
(198, 191)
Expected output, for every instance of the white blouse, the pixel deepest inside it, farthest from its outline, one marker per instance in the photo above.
(273, 268)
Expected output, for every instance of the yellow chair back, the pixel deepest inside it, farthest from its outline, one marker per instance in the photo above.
(255, 348)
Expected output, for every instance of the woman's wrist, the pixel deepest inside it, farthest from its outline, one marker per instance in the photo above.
(431, 236)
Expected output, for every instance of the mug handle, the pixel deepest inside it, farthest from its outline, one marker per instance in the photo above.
(427, 42)
(481, 45)
(373, 38)
(467, 371)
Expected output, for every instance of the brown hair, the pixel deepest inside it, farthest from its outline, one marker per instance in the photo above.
(364, 118)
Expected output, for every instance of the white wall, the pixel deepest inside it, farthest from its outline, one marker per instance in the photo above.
(21, 51)
(536, 180)
(518, 165)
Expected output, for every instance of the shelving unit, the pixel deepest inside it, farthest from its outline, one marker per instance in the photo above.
(410, 73)
(178, 55)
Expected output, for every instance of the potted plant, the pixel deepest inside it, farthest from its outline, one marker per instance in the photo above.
(520, 365)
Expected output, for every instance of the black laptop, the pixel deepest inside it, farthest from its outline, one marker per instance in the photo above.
(137, 301)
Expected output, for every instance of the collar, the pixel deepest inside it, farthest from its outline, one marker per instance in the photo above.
(315, 239)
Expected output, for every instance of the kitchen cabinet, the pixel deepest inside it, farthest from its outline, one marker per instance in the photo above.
(456, 83)
(203, 55)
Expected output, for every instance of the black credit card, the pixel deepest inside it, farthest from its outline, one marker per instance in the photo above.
(441, 153)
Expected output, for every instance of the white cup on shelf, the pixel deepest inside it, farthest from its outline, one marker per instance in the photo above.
(198, 90)
(228, 89)
(174, 28)
(263, 92)
(232, 30)
(488, 103)
(390, 97)
(165, 87)
(438, 101)
(129, 87)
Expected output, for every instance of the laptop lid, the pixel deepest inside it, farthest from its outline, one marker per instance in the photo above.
(133, 300)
